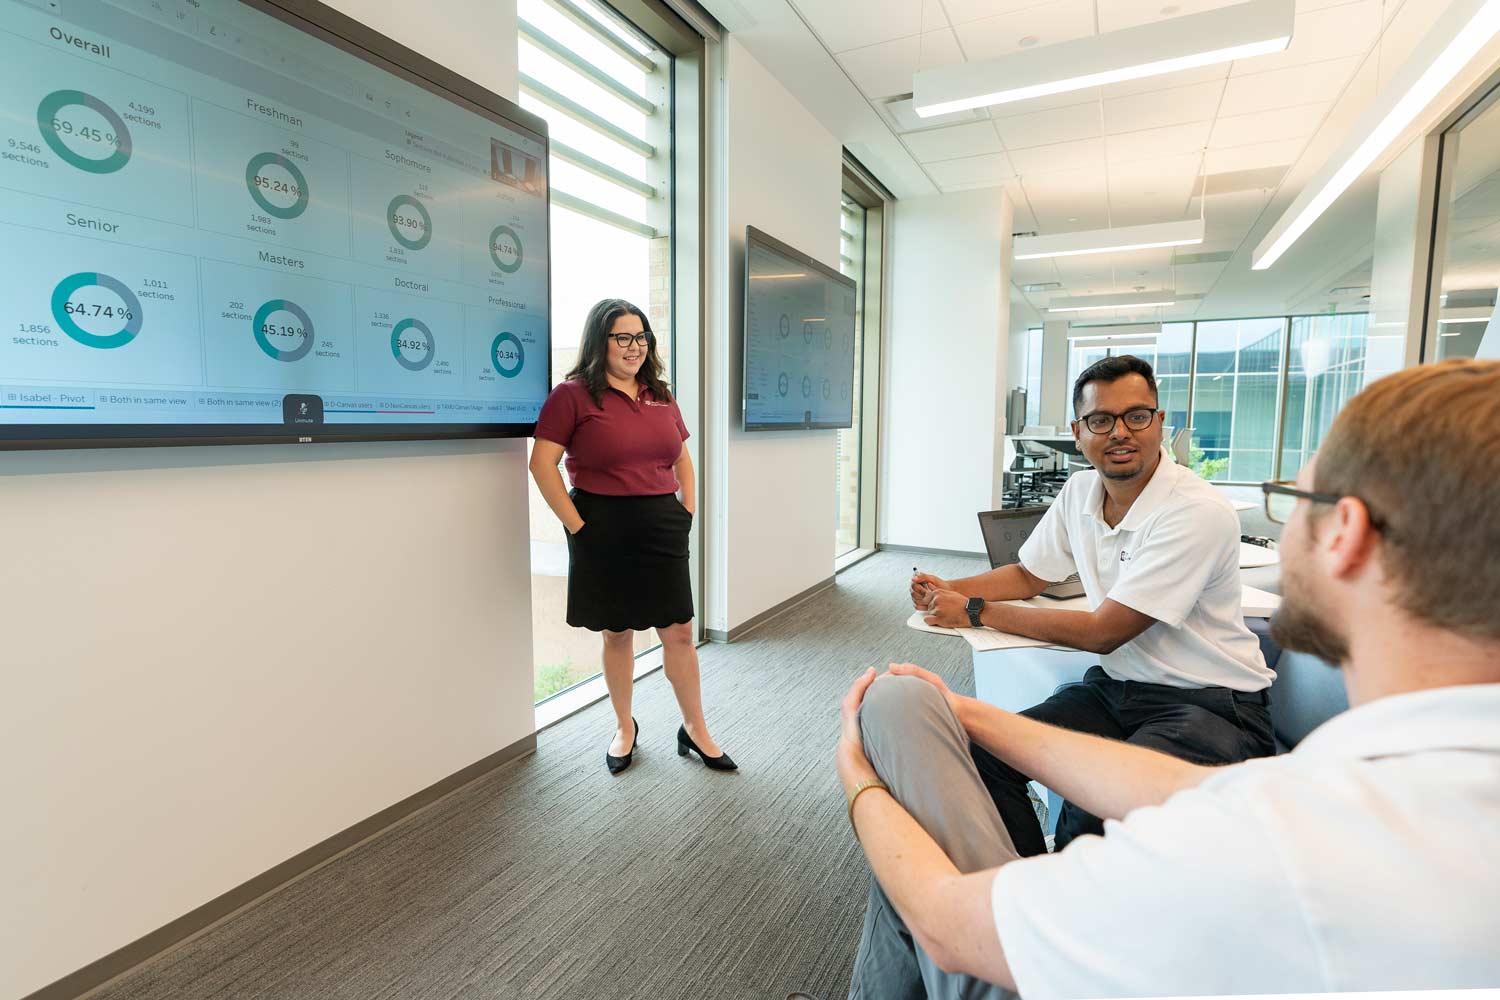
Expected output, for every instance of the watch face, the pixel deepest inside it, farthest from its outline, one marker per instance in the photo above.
(975, 604)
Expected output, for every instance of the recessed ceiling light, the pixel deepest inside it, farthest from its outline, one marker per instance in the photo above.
(1041, 286)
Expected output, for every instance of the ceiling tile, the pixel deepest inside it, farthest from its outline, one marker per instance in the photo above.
(1148, 143)
(1041, 128)
(972, 171)
(952, 143)
(1349, 29)
(1175, 177)
(878, 21)
(961, 11)
(1068, 201)
(1058, 157)
(1177, 106)
(1117, 14)
(1282, 153)
(1267, 126)
(1285, 88)
(1405, 30)
(884, 70)
(1047, 23)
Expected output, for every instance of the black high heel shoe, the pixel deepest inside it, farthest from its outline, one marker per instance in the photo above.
(618, 764)
(719, 763)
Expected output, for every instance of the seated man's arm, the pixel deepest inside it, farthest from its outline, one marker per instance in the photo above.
(1104, 777)
(1004, 583)
(1103, 630)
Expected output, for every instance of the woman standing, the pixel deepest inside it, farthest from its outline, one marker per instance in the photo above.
(624, 438)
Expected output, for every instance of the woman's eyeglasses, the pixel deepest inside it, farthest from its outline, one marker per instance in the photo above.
(1102, 422)
(625, 339)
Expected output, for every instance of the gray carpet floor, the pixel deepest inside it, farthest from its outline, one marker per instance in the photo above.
(551, 879)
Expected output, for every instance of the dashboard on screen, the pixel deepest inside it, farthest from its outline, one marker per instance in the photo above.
(224, 221)
(799, 339)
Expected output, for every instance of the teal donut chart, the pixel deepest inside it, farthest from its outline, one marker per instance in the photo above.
(495, 359)
(495, 235)
(46, 114)
(85, 279)
(403, 360)
(273, 352)
(407, 201)
(259, 162)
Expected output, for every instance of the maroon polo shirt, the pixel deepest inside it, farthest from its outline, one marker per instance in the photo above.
(626, 447)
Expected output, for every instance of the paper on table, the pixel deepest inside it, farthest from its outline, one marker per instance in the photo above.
(985, 638)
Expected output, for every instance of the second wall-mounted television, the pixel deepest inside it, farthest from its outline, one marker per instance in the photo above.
(799, 339)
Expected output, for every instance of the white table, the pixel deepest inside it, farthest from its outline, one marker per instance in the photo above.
(1057, 442)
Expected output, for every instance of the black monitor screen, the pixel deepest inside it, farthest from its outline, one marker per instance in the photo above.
(799, 339)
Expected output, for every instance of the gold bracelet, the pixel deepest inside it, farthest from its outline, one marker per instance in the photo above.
(860, 789)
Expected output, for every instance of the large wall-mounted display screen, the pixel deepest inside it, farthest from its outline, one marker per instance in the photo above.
(799, 339)
(222, 221)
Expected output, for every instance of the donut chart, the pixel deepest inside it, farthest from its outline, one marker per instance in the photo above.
(259, 183)
(507, 355)
(54, 125)
(505, 249)
(66, 312)
(413, 228)
(412, 344)
(301, 332)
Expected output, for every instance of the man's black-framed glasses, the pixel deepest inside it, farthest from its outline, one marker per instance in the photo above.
(1282, 496)
(626, 339)
(1102, 421)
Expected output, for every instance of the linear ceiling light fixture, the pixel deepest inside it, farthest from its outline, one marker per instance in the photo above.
(1457, 36)
(1112, 303)
(1216, 36)
(1118, 240)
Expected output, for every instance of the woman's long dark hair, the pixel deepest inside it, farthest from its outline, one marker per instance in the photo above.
(593, 352)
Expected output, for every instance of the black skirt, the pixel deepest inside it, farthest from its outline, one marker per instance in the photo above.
(628, 564)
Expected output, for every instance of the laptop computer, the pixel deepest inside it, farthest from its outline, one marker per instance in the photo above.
(1006, 530)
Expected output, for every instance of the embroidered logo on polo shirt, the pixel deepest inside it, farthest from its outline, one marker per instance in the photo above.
(652, 402)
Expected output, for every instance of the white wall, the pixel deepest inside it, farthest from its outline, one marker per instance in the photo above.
(773, 534)
(216, 658)
(948, 328)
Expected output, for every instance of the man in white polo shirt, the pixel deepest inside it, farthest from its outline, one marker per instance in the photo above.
(1157, 550)
(1362, 860)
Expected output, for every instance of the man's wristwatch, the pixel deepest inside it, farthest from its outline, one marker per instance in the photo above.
(975, 607)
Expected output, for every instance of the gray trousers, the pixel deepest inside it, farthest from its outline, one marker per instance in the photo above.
(922, 754)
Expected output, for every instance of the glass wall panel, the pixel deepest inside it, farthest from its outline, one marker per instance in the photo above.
(1470, 266)
(613, 240)
(1325, 367)
(1235, 391)
(852, 217)
(1033, 376)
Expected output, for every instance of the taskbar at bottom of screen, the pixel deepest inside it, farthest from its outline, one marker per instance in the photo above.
(72, 405)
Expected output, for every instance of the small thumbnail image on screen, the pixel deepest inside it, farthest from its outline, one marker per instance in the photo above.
(511, 166)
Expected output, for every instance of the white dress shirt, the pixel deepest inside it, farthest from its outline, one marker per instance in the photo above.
(1174, 556)
(1363, 860)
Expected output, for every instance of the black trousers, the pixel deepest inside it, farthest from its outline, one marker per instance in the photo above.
(1212, 725)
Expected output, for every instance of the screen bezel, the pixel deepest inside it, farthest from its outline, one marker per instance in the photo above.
(328, 25)
(755, 237)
